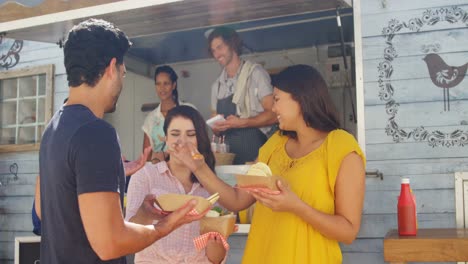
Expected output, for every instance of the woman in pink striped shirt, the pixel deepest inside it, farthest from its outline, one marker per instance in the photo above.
(182, 124)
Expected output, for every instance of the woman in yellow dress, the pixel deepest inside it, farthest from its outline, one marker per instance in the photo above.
(323, 166)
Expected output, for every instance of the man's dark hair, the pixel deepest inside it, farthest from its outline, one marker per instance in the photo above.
(229, 36)
(309, 89)
(89, 48)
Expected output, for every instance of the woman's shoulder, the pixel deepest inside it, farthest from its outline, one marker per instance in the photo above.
(277, 138)
(340, 136)
(155, 113)
(341, 143)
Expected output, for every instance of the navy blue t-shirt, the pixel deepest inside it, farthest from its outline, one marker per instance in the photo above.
(79, 153)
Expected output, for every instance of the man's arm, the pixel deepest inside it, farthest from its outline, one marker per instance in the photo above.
(264, 93)
(265, 118)
(37, 197)
(112, 237)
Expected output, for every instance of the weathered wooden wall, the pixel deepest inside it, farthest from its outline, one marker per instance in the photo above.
(430, 169)
(17, 196)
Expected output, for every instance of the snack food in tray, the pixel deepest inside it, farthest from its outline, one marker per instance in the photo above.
(172, 201)
(259, 175)
(214, 221)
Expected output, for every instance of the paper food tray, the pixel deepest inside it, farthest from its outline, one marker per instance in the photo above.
(253, 181)
(172, 201)
(222, 224)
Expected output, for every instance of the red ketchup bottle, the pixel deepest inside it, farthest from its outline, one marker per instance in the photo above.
(407, 222)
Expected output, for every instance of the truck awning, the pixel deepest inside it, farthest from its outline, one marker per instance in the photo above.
(50, 20)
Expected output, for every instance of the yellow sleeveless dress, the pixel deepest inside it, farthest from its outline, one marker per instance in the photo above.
(284, 238)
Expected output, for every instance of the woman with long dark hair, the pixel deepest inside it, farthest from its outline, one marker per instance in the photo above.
(183, 124)
(165, 80)
(325, 170)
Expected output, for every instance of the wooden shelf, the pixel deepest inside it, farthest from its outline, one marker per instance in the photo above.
(429, 245)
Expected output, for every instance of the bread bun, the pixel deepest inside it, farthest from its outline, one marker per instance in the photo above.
(260, 169)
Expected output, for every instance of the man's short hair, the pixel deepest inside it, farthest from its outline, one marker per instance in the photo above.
(89, 48)
(229, 36)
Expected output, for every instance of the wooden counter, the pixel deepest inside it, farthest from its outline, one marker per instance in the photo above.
(445, 244)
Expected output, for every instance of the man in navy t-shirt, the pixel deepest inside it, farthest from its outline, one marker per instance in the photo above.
(81, 172)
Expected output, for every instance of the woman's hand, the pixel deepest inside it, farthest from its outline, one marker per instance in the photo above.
(285, 201)
(177, 218)
(215, 250)
(147, 212)
(133, 166)
(188, 154)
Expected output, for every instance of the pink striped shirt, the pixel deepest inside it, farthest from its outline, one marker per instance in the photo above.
(178, 246)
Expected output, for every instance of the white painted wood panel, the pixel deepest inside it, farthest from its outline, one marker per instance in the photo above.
(16, 198)
(9, 236)
(430, 169)
(23, 179)
(385, 202)
(414, 114)
(32, 56)
(18, 205)
(416, 90)
(409, 67)
(418, 182)
(449, 40)
(412, 150)
(395, 6)
(15, 156)
(366, 245)
(24, 166)
(42, 57)
(374, 23)
(59, 97)
(61, 83)
(419, 166)
(379, 136)
(5, 249)
(360, 258)
(13, 189)
(16, 222)
(377, 225)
